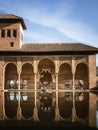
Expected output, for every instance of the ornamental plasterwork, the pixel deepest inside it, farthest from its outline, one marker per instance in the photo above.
(24, 59)
(57, 64)
(10, 59)
(19, 66)
(82, 60)
(1, 58)
(35, 63)
(45, 57)
(5, 63)
(73, 66)
(65, 61)
(65, 57)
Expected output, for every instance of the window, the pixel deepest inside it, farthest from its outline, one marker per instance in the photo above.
(15, 33)
(97, 83)
(3, 33)
(97, 71)
(12, 96)
(11, 44)
(25, 84)
(12, 83)
(8, 33)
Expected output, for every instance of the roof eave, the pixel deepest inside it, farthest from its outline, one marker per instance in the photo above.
(11, 20)
(22, 53)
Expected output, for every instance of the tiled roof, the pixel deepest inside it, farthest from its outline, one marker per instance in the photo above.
(42, 47)
(67, 49)
(12, 18)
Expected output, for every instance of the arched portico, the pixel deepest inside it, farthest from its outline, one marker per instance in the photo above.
(11, 76)
(65, 76)
(46, 70)
(27, 76)
(81, 76)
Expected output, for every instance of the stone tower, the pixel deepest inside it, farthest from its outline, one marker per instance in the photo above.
(11, 32)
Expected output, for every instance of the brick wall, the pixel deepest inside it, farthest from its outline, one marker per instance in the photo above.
(1, 74)
(92, 71)
(5, 42)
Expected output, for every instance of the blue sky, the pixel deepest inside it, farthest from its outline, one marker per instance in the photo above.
(56, 20)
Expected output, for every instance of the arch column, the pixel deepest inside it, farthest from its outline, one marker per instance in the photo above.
(19, 79)
(35, 74)
(73, 73)
(19, 71)
(57, 115)
(2, 73)
(35, 115)
(35, 81)
(56, 72)
(56, 81)
(19, 116)
(3, 79)
(73, 85)
(74, 109)
(2, 109)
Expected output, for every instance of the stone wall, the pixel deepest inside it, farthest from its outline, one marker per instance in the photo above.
(92, 71)
(5, 42)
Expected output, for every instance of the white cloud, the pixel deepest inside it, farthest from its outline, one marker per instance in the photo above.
(79, 31)
(76, 30)
(39, 37)
(56, 16)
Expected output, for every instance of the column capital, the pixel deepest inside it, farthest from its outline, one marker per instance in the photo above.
(19, 66)
(56, 66)
(56, 76)
(35, 63)
(73, 65)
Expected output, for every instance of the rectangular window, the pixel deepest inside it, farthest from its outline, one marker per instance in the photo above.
(96, 83)
(2, 33)
(15, 33)
(97, 71)
(8, 33)
(11, 44)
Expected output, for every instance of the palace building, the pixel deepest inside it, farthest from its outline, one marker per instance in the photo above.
(42, 65)
(40, 80)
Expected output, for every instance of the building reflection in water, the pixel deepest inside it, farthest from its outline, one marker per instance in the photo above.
(97, 119)
(97, 113)
(46, 108)
(67, 108)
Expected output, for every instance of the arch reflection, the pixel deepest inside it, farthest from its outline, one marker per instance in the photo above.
(10, 104)
(46, 108)
(57, 106)
(73, 105)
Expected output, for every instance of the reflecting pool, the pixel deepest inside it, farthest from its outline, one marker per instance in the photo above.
(77, 108)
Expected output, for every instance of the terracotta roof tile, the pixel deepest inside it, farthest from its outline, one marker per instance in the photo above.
(12, 18)
(41, 47)
(68, 49)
